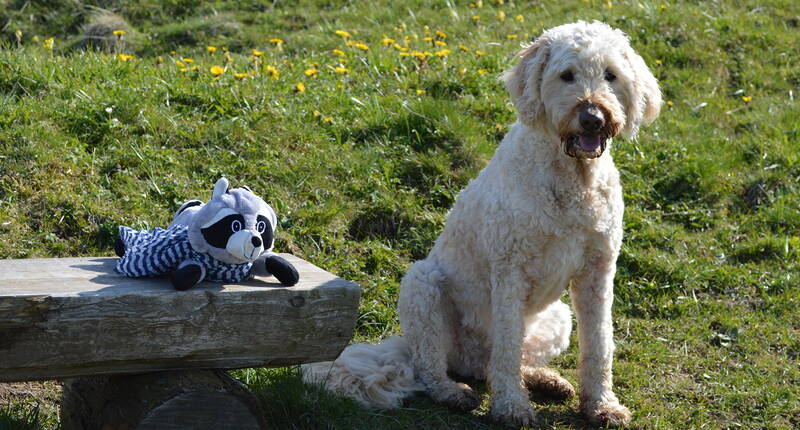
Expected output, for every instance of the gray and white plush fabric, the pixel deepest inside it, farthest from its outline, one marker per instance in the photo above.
(227, 239)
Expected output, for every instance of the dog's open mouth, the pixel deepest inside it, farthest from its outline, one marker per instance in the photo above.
(584, 146)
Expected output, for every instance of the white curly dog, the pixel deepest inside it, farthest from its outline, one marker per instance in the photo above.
(545, 215)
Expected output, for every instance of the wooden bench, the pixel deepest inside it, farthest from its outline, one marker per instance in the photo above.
(145, 356)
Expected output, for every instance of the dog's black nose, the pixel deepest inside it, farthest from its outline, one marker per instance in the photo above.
(591, 119)
(256, 241)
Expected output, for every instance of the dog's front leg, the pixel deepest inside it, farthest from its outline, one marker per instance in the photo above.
(510, 404)
(592, 295)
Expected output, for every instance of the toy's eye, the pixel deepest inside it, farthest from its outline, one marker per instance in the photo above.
(567, 76)
(218, 233)
(610, 77)
(264, 227)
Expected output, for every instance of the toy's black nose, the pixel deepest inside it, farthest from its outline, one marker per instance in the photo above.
(256, 241)
(591, 118)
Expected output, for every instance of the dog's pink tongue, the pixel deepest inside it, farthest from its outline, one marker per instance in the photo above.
(589, 143)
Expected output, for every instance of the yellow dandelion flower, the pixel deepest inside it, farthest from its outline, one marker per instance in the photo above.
(300, 87)
(272, 72)
(240, 75)
(399, 47)
(184, 69)
(362, 46)
(311, 72)
(327, 118)
(257, 53)
(344, 34)
(669, 102)
(479, 53)
(511, 36)
(482, 71)
(341, 70)
(194, 68)
(440, 43)
(658, 62)
(118, 33)
(48, 43)
(443, 53)
(609, 5)
(747, 99)
(123, 57)
(519, 18)
(463, 48)
(188, 60)
(427, 39)
(441, 34)
(387, 41)
(476, 18)
(501, 16)
(216, 70)
(211, 49)
(663, 6)
(18, 34)
(420, 91)
(338, 52)
(404, 54)
(180, 63)
(228, 58)
(276, 41)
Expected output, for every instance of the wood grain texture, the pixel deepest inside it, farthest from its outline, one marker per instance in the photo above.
(77, 317)
(193, 399)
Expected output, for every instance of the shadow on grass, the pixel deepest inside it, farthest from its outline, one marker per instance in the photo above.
(290, 404)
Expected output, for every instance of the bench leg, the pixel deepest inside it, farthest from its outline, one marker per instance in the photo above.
(192, 399)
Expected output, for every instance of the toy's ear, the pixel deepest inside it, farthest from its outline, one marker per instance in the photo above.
(220, 188)
(645, 97)
(524, 81)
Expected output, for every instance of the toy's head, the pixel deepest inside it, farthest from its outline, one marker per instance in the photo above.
(235, 226)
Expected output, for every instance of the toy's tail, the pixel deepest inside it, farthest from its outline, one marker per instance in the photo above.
(377, 376)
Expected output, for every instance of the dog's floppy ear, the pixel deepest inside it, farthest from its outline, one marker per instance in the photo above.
(645, 101)
(524, 81)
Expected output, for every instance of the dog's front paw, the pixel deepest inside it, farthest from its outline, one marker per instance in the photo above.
(460, 397)
(514, 414)
(606, 414)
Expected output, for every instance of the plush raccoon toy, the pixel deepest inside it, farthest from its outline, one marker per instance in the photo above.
(228, 239)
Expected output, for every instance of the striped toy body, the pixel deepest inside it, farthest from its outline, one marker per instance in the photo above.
(161, 251)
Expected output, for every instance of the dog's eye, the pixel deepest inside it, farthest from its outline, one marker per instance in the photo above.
(610, 77)
(567, 76)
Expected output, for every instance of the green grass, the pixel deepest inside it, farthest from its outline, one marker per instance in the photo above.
(362, 167)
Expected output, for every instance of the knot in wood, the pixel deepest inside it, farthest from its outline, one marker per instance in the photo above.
(297, 301)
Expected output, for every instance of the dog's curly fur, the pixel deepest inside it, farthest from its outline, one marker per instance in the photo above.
(545, 215)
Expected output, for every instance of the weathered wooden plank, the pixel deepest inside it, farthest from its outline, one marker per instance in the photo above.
(77, 317)
(189, 399)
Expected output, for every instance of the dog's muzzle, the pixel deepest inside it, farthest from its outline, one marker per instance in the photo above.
(594, 133)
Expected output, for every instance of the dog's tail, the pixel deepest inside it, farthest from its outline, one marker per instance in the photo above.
(376, 376)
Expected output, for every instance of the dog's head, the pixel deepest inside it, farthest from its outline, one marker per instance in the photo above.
(585, 82)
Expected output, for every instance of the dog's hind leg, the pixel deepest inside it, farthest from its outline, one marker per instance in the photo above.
(547, 336)
(425, 326)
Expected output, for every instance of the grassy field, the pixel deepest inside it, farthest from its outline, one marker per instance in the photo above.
(360, 122)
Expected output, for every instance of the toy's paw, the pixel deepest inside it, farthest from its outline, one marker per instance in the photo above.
(119, 247)
(606, 414)
(282, 270)
(187, 276)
